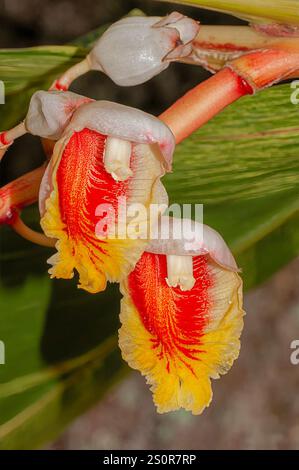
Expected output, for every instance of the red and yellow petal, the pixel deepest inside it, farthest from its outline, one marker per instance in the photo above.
(180, 340)
(80, 184)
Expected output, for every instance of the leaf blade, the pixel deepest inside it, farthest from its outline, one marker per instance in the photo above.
(266, 11)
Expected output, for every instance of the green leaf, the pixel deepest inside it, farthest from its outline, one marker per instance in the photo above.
(25, 71)
(244, 167)
(259, 11)
(61, 352)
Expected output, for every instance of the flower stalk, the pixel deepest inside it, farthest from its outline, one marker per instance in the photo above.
(31, 235)
(64, 82)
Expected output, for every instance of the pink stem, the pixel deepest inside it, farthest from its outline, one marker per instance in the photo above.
(203, 102)
(19, 193)
(245, 75)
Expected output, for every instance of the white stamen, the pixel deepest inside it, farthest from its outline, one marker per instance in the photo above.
(180, 272)
(126, 123)
(117, 158)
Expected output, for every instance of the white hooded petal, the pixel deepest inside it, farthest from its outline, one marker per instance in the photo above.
(184, 237)
(126, 123)
(50, 112)
(218, 249)
(133, 50)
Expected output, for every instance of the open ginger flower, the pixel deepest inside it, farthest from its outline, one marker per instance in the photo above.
(108, 157)
(182, 316)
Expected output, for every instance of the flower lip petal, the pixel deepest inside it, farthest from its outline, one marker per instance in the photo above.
(187, 237)
(180, 340)
(50, 112)
(126, 123)
(76, 211)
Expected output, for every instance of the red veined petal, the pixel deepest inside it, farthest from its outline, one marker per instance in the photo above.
(179, 340)
(80, 185)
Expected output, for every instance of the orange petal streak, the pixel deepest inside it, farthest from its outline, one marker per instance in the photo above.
(178, 320)
(181, 339)
(83, 185)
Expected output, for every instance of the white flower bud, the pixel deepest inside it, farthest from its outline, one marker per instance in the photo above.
(135, 49)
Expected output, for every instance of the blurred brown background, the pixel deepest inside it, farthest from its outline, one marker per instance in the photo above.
(255, 406)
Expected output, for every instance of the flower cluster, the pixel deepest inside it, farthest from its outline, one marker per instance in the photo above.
(181, 311)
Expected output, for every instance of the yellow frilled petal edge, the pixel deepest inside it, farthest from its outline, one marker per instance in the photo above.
(180, 340)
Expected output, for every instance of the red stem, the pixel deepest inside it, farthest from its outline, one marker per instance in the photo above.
(251, 72)
(203, 102)
(19, 193)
